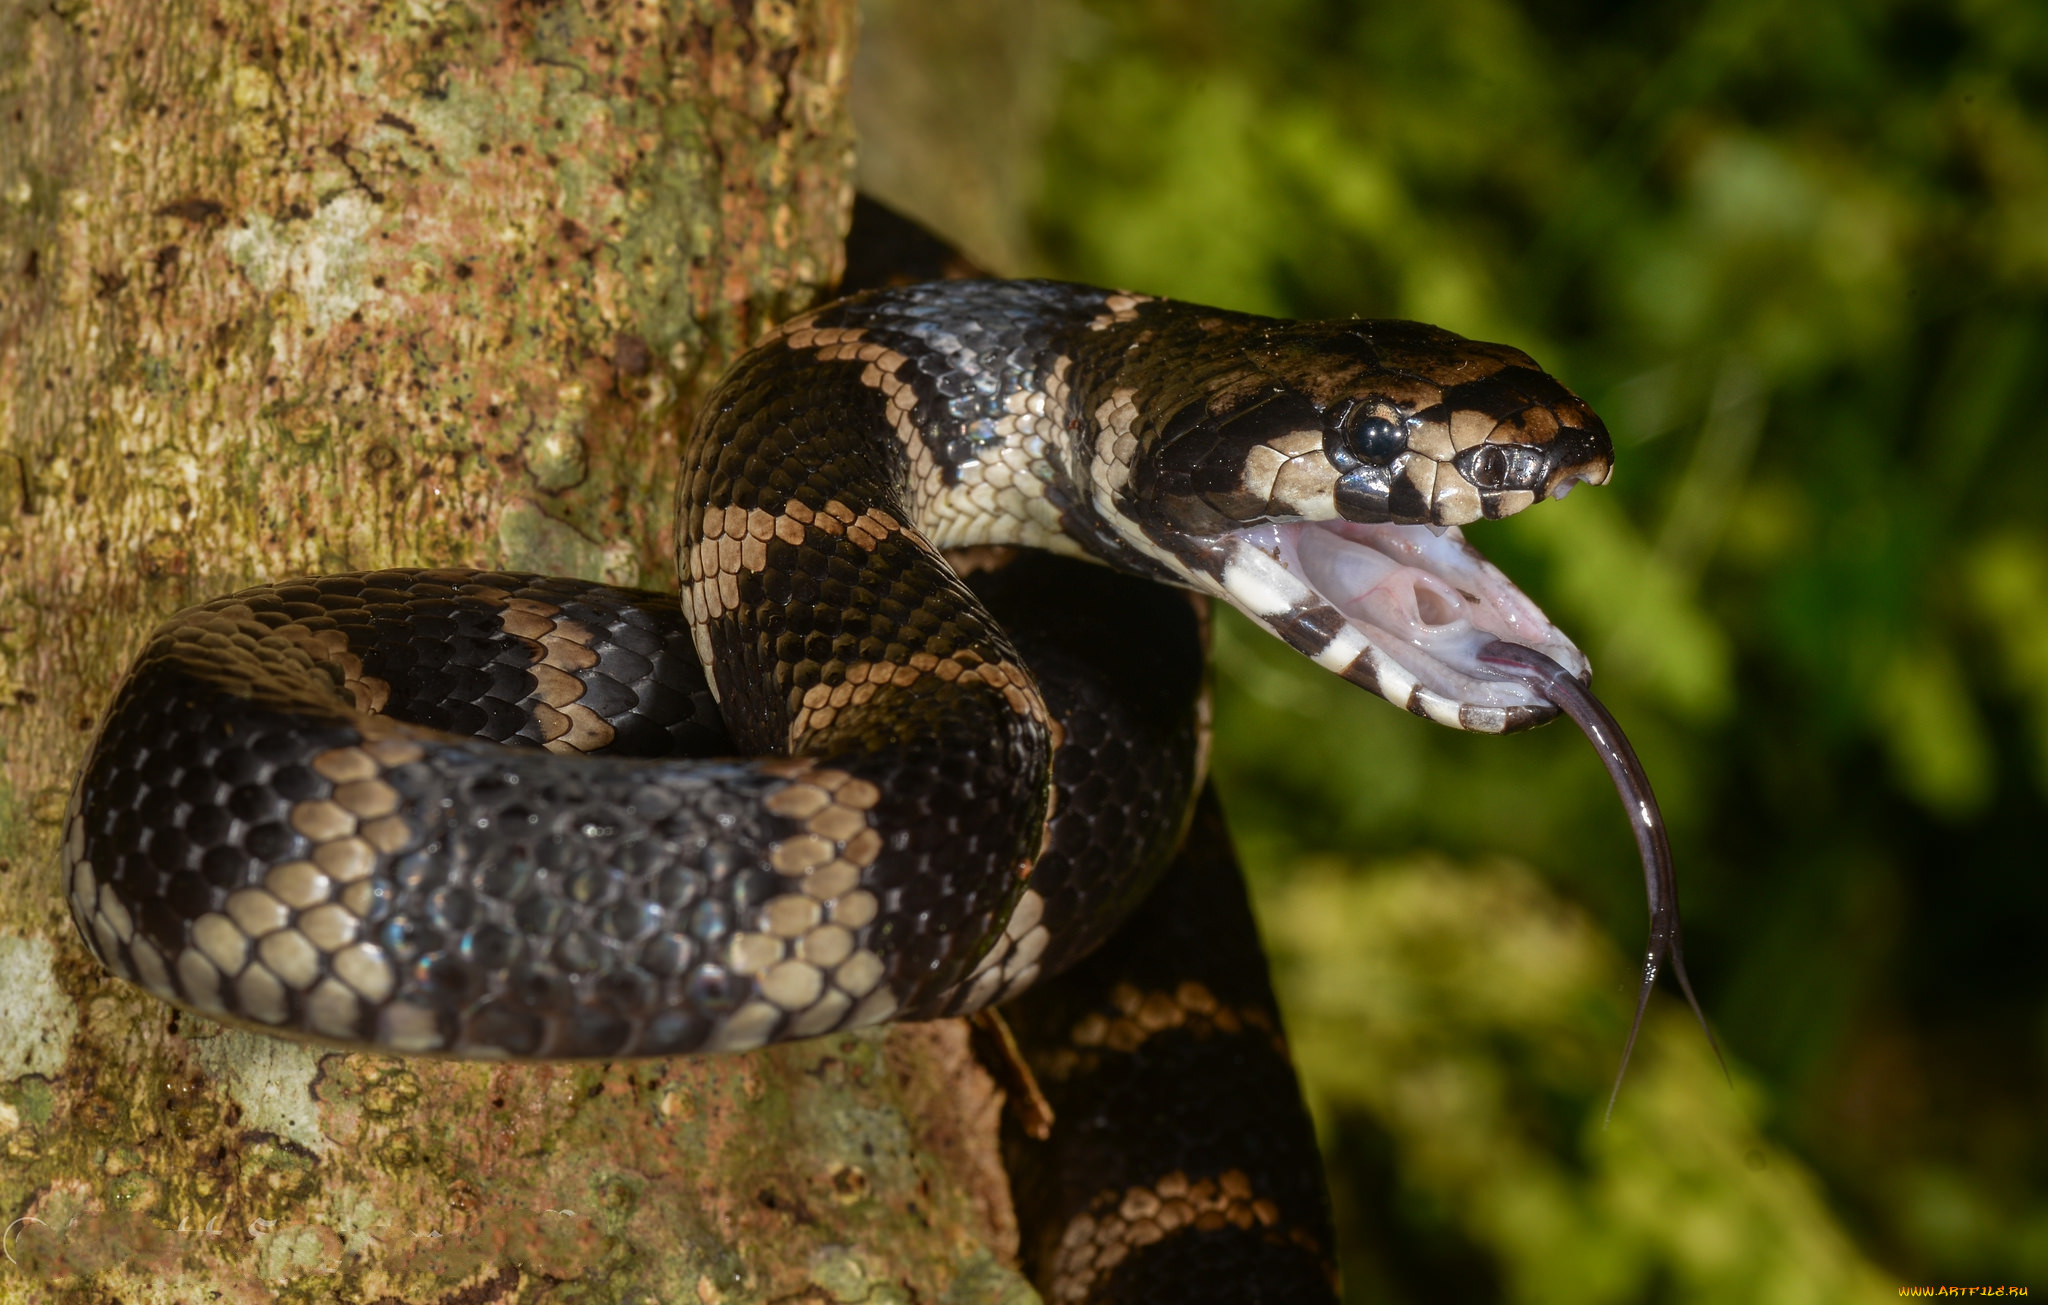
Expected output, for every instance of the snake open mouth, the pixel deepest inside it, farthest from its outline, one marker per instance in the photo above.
(1431, 625)
(1417, 606)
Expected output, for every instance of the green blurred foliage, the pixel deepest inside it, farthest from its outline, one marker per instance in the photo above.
(1797, 255)
(1464, 1020)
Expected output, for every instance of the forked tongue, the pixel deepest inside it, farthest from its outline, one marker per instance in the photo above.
(1563, 690)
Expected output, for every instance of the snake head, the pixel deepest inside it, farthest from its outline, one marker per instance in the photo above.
(1375, 422)
(1327, 467)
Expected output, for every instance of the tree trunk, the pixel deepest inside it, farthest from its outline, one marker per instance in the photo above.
(315, 285)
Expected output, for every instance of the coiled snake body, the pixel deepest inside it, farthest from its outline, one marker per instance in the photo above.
(497, 815)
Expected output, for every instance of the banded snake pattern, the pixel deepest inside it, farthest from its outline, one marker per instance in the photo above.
(872, 762)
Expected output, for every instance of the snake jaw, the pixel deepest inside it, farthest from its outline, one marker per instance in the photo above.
(1401, 610)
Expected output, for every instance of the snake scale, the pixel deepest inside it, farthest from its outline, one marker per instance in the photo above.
(918, 730)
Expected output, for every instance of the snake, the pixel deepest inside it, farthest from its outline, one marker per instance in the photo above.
(921, 725)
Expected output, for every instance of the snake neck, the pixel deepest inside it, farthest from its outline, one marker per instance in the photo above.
(1002, 399)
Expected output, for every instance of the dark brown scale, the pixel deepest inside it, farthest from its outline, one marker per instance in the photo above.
(509, 860)
(190, 802)
(963, 774)
(1121, 663)
(1163, 1060)
(971, 343)
(546, 909)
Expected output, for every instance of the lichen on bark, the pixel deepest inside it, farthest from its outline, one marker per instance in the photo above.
(307, 286)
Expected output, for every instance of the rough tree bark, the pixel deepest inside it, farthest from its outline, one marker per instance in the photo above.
(317, 285)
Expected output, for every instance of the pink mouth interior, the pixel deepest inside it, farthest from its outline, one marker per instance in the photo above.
(1428, 601)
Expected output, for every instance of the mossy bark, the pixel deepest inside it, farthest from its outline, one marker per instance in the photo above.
(314, 285)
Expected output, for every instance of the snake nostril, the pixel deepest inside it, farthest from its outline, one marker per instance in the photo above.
(1504, 466)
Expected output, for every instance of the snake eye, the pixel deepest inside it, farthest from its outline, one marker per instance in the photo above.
(1502, 466)
(1377, 439)
(1374, 435)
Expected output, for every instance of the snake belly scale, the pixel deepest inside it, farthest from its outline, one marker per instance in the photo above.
(498, 815)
